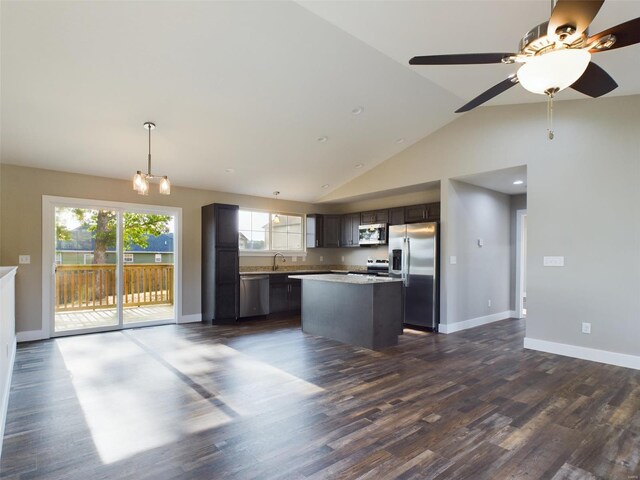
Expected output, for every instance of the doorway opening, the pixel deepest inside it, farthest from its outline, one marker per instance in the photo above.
(521, 264)
(108, 266)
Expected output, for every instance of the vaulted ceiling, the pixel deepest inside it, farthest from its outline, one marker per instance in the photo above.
(253, 86)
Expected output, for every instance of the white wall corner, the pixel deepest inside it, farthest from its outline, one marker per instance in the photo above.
(475, 322)
(31, 335)
(6, 392)
(196, 317)
(584, 353)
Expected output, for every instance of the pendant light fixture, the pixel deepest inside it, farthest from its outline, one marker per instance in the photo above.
(276, 217)
(141, 180)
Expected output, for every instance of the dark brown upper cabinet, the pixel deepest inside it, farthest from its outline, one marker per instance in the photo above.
(314, 232)
(376, 216)
(349, 235)
(422, 213)
(331, 231)
(396, 216)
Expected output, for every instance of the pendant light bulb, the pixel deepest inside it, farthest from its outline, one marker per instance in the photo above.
(138, 181)
(144, 187)
(165, 186)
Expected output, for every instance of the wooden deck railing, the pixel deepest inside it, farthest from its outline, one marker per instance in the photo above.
(91, 287)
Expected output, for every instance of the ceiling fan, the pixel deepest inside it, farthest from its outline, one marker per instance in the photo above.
(553, 55)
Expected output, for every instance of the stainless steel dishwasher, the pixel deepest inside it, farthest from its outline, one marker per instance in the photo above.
(254, 295)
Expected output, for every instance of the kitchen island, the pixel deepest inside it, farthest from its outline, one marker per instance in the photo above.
(360, 310)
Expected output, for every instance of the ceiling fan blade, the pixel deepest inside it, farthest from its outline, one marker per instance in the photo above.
(594, 82)
(627, 33)
(460, 59)
(576, 13)
(494, 91)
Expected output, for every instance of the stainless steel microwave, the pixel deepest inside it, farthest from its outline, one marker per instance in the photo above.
(375, 234)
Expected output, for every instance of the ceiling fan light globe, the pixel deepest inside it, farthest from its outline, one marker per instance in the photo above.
(554, 70)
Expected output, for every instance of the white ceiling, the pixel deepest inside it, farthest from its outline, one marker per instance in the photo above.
(251, 85)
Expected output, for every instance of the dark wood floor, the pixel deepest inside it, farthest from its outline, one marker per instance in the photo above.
(264, 401)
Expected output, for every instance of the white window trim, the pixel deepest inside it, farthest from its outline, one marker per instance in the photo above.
(270, 253)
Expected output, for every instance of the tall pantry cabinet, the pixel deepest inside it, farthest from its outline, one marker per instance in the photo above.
(220, 263)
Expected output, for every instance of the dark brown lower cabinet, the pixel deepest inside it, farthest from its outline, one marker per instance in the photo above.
(285, 294)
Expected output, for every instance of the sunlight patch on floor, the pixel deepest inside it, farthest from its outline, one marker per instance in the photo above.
(128, 410)
(140, 391)
(247, 385)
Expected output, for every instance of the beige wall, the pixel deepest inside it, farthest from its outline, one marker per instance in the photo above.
(21, 191)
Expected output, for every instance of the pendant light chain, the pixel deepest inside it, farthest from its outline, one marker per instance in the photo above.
(149, 157)
(550, 117)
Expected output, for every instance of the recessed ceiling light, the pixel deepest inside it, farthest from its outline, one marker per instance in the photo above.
(518, 182)
(399, 140)
(326, 185)
(357, 110)
(323, 139)
(359, 165)
(229, 170)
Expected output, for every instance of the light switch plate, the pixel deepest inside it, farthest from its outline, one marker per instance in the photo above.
(24, 259)
(553, 261)
(453, 259)
(294, 259)
(586, 327)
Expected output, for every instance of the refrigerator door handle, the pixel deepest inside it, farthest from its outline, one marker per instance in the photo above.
(403, 260)
(408, 274)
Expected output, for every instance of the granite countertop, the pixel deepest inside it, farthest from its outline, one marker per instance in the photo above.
(292, 272)
(352, 279)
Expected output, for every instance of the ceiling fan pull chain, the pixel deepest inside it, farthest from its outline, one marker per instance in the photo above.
(550, 117)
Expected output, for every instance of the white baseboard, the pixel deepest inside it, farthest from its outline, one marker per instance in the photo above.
(475, 322)
(196, 317)
(5, 393)
(584, 353)
(31, 335)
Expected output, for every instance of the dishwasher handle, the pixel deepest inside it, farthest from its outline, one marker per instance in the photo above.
(253, 277)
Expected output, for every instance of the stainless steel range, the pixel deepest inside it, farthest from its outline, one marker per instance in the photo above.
(378, 267)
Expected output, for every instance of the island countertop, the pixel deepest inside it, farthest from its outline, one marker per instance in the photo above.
(351, 279)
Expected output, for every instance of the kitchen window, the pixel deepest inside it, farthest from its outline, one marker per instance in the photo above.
(270, 232)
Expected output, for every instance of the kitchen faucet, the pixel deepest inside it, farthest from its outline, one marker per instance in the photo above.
(275, 267)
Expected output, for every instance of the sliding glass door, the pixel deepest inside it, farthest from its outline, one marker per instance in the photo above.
(86, 273)
(148, 268)
(113, 267)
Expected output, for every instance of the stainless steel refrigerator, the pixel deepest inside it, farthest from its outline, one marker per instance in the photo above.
(413, 257)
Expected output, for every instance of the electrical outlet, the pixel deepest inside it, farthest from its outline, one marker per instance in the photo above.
(342, 258)
(553, 261)
(453, 259)
(24, 259)
(586, 327)
(294, 259)
(480, 242)
(488, 303)
(321, 258)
